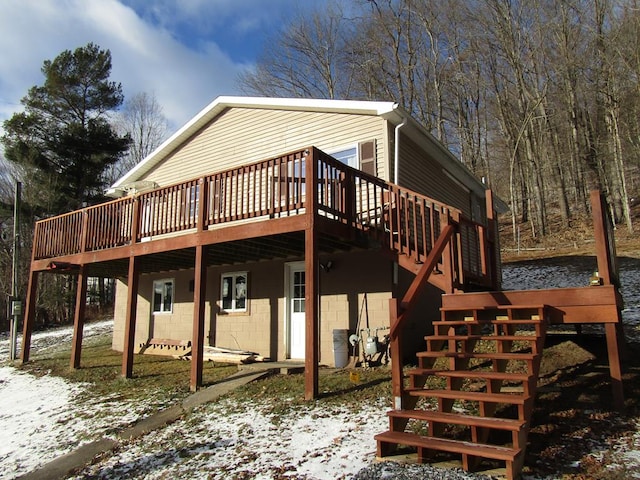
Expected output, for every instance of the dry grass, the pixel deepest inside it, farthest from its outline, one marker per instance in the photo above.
(164, 377)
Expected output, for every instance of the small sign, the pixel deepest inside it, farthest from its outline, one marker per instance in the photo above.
(16, 308)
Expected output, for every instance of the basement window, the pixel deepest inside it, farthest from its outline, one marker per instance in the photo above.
(163, 296)
(233, 294)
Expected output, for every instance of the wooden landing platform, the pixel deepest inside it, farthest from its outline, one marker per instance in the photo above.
(597, 304)
(600, 304)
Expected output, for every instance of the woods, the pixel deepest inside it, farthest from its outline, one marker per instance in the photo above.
(539, 98)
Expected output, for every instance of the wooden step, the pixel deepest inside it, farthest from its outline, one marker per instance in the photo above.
(458, 323)
(526, 357)
(459, 419)
(496, 307)
(493, 380)
(501, 338)
(445, 445)
(508, 398)
(486, 374)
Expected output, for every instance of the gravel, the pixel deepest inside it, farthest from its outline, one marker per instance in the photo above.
(407, 471)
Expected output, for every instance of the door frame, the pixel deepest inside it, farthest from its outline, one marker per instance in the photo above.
(289, 268)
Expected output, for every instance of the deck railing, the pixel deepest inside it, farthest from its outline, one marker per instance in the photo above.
(404, 221)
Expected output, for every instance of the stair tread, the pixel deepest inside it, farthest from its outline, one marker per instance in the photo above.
(486, 355)
(484, 308)
(489, 375)
(491, 321)
(460, 419)
(502, 338)
(447, 445)
(511, 398)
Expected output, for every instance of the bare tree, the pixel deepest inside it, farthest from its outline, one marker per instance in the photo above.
(308, 59)
(541, 95)
(143, 119)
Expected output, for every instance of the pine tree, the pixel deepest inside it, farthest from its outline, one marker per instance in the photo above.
(63, 140)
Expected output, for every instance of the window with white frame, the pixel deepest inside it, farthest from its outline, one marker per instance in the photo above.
(163, 296)
(348, 156)
(233, 294)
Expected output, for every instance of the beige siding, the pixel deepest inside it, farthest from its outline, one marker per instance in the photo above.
(263, 328)
(176, 325)
(421, 173)
(240, 136)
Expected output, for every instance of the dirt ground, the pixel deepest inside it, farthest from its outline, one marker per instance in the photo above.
(574, 415)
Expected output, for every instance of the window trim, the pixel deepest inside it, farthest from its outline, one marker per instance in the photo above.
(234, 276)
(353, 146)
(164, 282)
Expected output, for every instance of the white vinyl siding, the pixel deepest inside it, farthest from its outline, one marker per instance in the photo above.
(421, 173)
(240, 136)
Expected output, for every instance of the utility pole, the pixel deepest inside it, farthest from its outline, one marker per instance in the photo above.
(15, 305)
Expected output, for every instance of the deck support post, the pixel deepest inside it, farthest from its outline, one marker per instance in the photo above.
(199, 297)
(29, 315)
(311, 316)
(395, 348)
(493, 243)
(78, 319)
(312, 272)
(608, 273)
(613, 332)
(130, 323)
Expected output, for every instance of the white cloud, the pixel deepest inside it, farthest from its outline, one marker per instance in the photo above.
(146, 57)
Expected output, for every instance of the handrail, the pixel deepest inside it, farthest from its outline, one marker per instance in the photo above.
(404, 221)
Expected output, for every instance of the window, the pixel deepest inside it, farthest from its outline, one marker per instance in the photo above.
(163, 296)
(361, 157)
(234, 292)
(348, 156)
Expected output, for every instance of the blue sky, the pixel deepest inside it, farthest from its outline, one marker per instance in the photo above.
(185, 52)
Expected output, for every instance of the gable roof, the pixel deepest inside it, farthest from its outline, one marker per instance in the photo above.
(390, 111)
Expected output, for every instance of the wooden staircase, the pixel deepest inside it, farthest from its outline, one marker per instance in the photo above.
(472, 393)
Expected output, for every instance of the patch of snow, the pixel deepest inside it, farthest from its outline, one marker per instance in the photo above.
(38, 422)
(39, 419)
(316, 442)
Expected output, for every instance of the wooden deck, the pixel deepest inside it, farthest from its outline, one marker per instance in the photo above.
(267, 211)
(260, 211)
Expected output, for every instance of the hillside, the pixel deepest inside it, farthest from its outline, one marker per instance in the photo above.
(577, 240)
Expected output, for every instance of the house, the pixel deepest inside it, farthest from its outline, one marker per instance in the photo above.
(229, 190)
(280, 226)
(255, 299)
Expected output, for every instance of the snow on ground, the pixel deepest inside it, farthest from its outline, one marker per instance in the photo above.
(39, 420)
(36, 420)
(311, 442)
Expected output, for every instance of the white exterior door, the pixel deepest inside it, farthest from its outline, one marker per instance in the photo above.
(296, 309)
